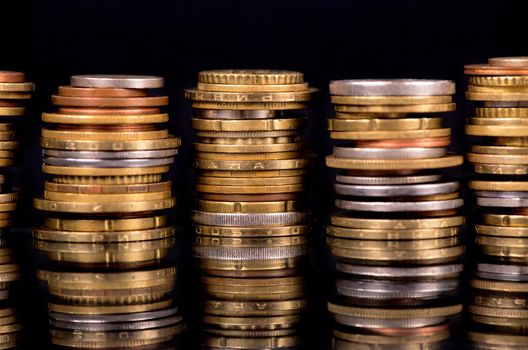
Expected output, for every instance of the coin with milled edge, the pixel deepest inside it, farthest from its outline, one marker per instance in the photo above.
(110, 145)
(386, 180)
(110, 154)
(397, 190)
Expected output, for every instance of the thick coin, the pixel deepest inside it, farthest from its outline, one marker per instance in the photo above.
(107, 163)
(17, 87)
(256, 148)
(499, 150)
(391, 235)
(124, 326)
(497, 130)
(104, 135)
(249, 97)
(389, 153)
(397, 190)
(117, 81)
(253, 87)
(498, 121)
(357, 311)
(248, 106)
(251, 308)
(105, 119)
(112, 207)
(393, 244)
(401, 272)
(251, 343)
(482, 112)
(283, 164)
(390, 164)
(379, 290)
(250, 77)
(98, 236)
(383, 124)
(497, 96)
(249, 253)
(108, 189)
(502, 231)
(109, 145)
(85, 225)
(344, 219)
(249, 207)
(93, 172)
(272, 231)
(98, 311)
(422, 257)
(389, 100)
(248, 125)
(426, 108)
(392, 87)
(12, 77)
(241, 219)
(393, 135)
(252, 156)
(518, 61)
(386, 180)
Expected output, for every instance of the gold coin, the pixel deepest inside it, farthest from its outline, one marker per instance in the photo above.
(102, 339)
(497, 130)
(93, 208)
(105, 198)
(9, 145)
(283, 164)
(425, 256)
(253, 323)
(7, 135)
(384, 124)
(511, 254)
(105, 119)
(87, 225)
(497, 312)
(496, 112)
(8, 95)
(249, 207)
(254, 173)
(393, 164)
(499, 121)
(390, 100)
(261, 189)
(108, 189)
(128, 296)
(510, 141)
(107, 180)
(505, 220)
(250, 141)
(267, 268)
(224, 136)
(387, 234)
(250, 105)
(261, 309)
(99, 237)
(256, 294)
(424, 108)
(503, 241)
(111, 145)
(498, 185)
(104, 135)
(381, 313)
(248, 181)
(73, 248)
(253, 87)
(342, 219)
(107, 310)
(503, 150)
(249, 97)
(497, 158)
(497, 89)
(493, 300)
(252, 282)
(389, 135)
(8, 207)
(6, 162)
(497, 96)
(502, 231)
(372, 245)
(86, 171)
(499, 286)
(112, 279)
(500, 169)
(122, 343)
(226, 242)
(252, 156)
(389, 340)
(248, 125)
(109, 259)
(381, 116)
(17, 87)
(250, 77)
(12, 111)
(499, 81)
(494, 339)
(272, 231)
(258, 148)
(251, 343)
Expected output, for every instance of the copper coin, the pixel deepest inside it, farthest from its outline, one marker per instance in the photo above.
(249, 197)
(486, 69)
(8, 103)
(112, 102)
(117, 127)
(380, 172)
(402, 332)
(426, 142)
(12, 77)
(71, 91)
(109, 111)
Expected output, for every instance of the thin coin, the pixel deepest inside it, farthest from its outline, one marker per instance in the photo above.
(346, 220)
(499, 150)
(248, 125)
(389, 100)
(249, 207)
(263, 148)
(497, 89)
(284, 164)
(94, 208)
(498, 121)
(393, 244)
(105, 198)
(252, 156)
(392, 87)
(497, 96)
(248, 181)
(397, 190)
(383, 124)
(112, 102)
(253, 141)
(502, 231)
(425, 108)
(107, 180)
(389, 153)
(98, 236)
(272, 231)
(111, 145)
(386, 180)
(499, 81)
(518, 61)
(242, 219)
(259, 191)
(106, 310)
(104, 119)
(485, 69)
(253, 87)
(391, 235)
(108, 111)
(10, 95)
(117, 81)
(249, 105)
(107, 189)
(92, 171)
(254, 173)
(100, 92)
(401, 272)
(389, 164)
(110, 154)
(247, 134)
(12, 77)
(357, 311)
(12, 111)
(425, 142)
(392, 135)
(104, 135)
(249, 97)
(107, 163)
(250, 77)
(422, 257)
(85, 225)
(17, 87)
(251, 343)
(497, 130)
(237, 114)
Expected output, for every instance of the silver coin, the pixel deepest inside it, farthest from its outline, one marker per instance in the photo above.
(387, 180)
(344, 344)
(387, 322)
(108, 163)
(381, 290)
(389, 153)
(508, 150)
(260, 253)
(163, 153)
(117, 81)
(397, 190)
(506, 104)
(400, 272)
(502, 202)
(248, 134)
(392, 87)
(260, 219)
(501, 277)
(114, 318)
(107, 327)
(399, 206)
(237, 114)
(501, 194)
(503, 269)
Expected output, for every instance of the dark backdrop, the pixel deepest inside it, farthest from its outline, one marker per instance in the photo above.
(53, 39)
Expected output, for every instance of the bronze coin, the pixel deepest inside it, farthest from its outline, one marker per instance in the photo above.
(110, 102)
(105, 127)
(9, 103)
(351, 172)
(12, 77)
(403, 332)
(109, 111)
(71, 91)
(421, 142)
(250, 197)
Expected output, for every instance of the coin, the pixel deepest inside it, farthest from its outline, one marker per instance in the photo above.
(117, 81)
(345, 220)
(387, 234)
(253, 87)
(389, 100)
(257, 148)
(397, 190)
(112, 102)
(100, 92)
(104, 135)
(373, 124)
(386, 180)
(394, 87)
(357, 311)
(250, 77)
(242, 219)
(98, 236)
(248, 125)
(401, 272)
(388, 164)
(93, 171)
(388, 153)
(249, 97)
(430, 108)
(107, 163)
(107, 189)
(109, 145)
(112, 207)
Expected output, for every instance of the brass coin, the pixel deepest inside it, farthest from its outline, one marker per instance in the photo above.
(283, 164)
(506, 169)
(499, 286)
(497, 158)
(108, 189)
(106, 198)
(104, 119)
(496, 89)
(502, 231)
(105, 236)
(387, 234)
(112, 102)
(502, 241)
(422, 108)
(389, 100)
(505, 220)
(392, 164)
(9, 145)
(250, 105)
(261, 309)
(209, 181)
(107, 180)
(384, 124)
(260, 268)
(498, 185)
(110, 145)
(510, 141)
(249, 207)
(482, 112)
(252, 156)
(499, 81)
(381, 313)
(497, 130)
(498, 121)
(259, 148)
(17, 87)
(344, 220)
(228, 242)
(253, 323)
(250, 76)
(253, 87)
(251, 343)
(104, 135)
(250, 141)
(425, 256)
(502, 150)
(393, 135)
(85, 171)
(497, 96)
(86, 225)
(106, 310)
(376, 245)
(272, 231)
(233, 173)
(249, 97)
(94, 208)
(261, 189)
(245, 197)
(248, 125)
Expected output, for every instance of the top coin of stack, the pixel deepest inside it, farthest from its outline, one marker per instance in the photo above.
(396, 239)
(499, 90)
(251, 224)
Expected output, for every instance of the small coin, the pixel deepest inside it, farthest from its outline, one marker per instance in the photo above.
(357, 311)
(497, 130)
(12, 77)
(389, 100)
(497, 96)
(499, 150)
(101, 92)
(251, 231)
(257, 148)
(401, 272)
(98, 236)
(109, 102)
(497, 112)
(253, 87)
(238, 114)
(250, 105)
(17, 87)
(117, 81)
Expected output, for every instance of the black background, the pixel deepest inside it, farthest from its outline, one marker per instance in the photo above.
(327, 40)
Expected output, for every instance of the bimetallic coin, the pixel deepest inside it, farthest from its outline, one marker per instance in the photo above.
(117, 81)
(389, 153)
(392, 87)
(397, 190)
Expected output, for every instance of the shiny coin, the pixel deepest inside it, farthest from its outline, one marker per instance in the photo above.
(109, 102)
(108, 189)
(101, 92)
(394, 290)
(377, 323)
(165, 153)
(117, 81)
(248, 207)
(503, 231)
(253, 87)
(393, 135)
(93, 208)
(501, 194)
(104, 135)
(357, 311)
(498, 121)
(373, 124)
(386, 180)
(119, 146)
(93, 171)
(388, 234)
(497, 130)
(390, 164)
(250, 76)
(241, 165)
(401, 272)
(85, 225)
(397, 190)
(109, 327)
(237, 114)
(248, 106)
(240, 219)
(389, 100)
(344, 219)
(497, 112)
(397, 109)
(250, 253)
(502, 202)
(393, 87)
(263, 148)
(248, 125)
(17, 87)
(272, 231)
(400, 206)
(107, 163)
(249, 97)
(105, 119)
(422, 257)
(270, 308)
(98, 236)
(499, 150)
(388, 153)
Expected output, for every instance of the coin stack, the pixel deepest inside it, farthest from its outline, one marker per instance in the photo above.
(499, 158)
(251, 224)
(396, 234)
(105, 151)
(15, 91)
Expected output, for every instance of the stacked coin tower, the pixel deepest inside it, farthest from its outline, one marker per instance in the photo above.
(105, 151)
(396, 234)
(14, 92)
(499, 159)
(251, 225)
